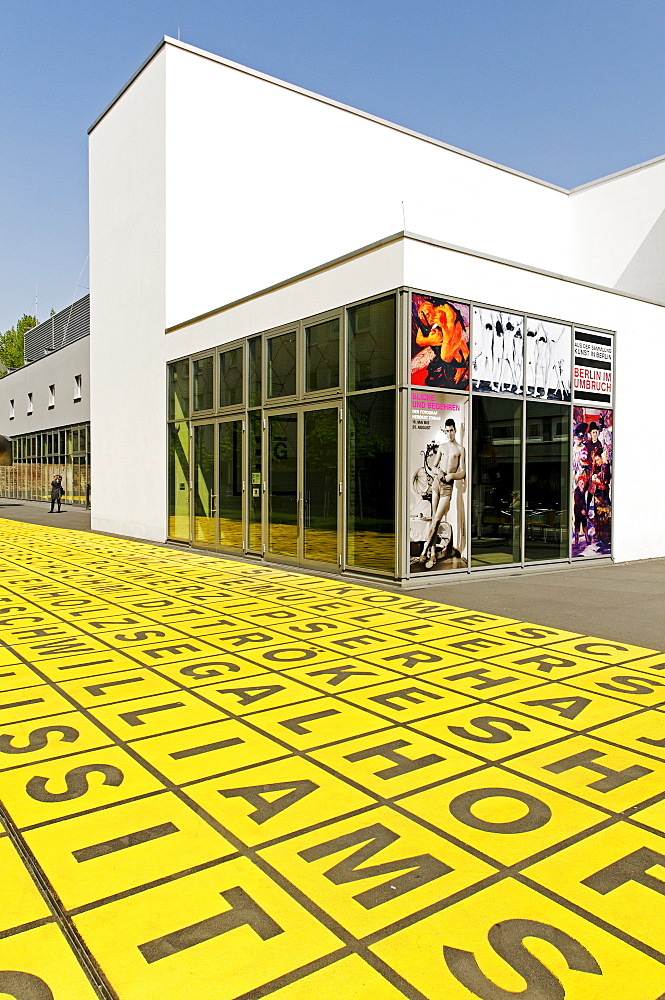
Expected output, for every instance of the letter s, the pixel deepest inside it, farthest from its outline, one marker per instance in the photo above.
(38, 739)
(506, 938)
(76, 782)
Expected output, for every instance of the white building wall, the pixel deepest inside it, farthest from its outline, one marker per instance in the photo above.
(639, 475)
(59, 369)
(366, 276)
(127, 319)
(265, 181)
(618, 231)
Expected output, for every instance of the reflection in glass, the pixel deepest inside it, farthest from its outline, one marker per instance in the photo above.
(230, 377)
(254, 480)
(282, 365)
(230, 484)
(372, 330)
(371, 481)
(322, 355)
(254, 374)
(202, 377)
(204, 484)
(547, 486)
(496, 500)
(179, 390)
(283, 484)
(320, 485)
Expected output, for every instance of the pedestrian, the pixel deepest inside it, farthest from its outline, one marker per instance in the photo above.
(57, 493)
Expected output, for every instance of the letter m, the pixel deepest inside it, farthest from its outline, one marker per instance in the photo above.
(421, 869)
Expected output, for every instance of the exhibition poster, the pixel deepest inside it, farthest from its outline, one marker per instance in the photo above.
(439, 343)
(592, 371)
(592, 482)
(548, 360)
(438, 481)
(498, 351)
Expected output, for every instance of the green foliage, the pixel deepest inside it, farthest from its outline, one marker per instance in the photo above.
(12, 341)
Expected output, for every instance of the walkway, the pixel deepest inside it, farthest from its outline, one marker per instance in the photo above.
(227, 781)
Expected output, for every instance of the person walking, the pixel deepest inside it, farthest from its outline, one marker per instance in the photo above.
(57, 493)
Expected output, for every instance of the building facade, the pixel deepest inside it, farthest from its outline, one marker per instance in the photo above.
(384, 356)
(45, 408)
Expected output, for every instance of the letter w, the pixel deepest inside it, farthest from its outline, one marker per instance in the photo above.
(424, 867)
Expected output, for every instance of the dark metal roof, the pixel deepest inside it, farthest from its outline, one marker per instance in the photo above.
(66, 326)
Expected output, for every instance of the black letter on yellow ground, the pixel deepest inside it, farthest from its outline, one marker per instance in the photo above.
(23, 986)
(610, 781)
(539, 813)
(38, 739)
(243, 911)
(506, 938)
(264, 809)
(76, 783)
(403, 765)
(375, 838)
(495, 733)
(632, 868)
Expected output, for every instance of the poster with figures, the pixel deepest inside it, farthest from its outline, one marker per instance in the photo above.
(498, 351)
(439, 343)
(438, 481)
(592, 482)
(548, 360)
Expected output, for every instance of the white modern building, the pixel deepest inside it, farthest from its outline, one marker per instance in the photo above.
(323, 340)
(45, 409)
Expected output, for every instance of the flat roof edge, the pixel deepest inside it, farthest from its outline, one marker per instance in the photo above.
(619, 173)
(160, 45)
(394, 238)
(284, 84)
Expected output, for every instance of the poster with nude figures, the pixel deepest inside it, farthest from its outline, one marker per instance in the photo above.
(548, 360)
(439, 343)
(438, 457)
(592, 482)
(498, 351)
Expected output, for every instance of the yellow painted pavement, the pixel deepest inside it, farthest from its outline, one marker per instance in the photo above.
(221, 780)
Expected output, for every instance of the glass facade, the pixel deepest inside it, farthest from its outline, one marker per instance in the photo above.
(37, 458)
(408, 434)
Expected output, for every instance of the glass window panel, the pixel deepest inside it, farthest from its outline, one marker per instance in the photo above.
(496, 518)
(178, 481)
(75, 439)
(282, 365)
(202, 377)
(322, 355)
(371, 481)
(254, 480)
(230, 484)
(179, 390)
(547, 483)
(372, 330)
(230, 377)
(254, 375)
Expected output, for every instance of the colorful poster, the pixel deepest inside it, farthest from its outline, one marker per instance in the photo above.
(438, 478)
(439, 343)
(592, 370)
(592, 482)
(548, 364)
(498, 351)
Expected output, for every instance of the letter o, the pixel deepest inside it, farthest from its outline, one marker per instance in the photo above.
(539, 813)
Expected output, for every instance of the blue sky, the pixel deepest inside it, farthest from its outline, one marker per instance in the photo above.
(566, 91)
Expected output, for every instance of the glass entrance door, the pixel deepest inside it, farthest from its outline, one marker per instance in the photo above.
(217, 485)
(203, 482)
(303, 486)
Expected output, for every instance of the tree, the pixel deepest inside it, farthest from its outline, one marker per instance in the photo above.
(12, 342)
